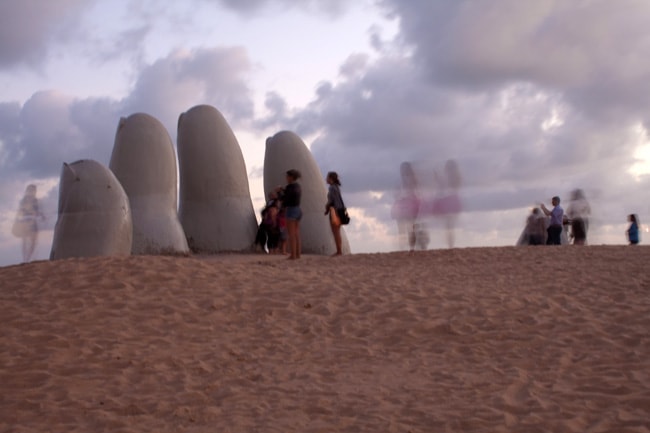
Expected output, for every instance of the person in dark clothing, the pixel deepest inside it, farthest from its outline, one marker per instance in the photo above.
(25, 225)
(334, 203)
(268, 233)
(557, 219)
(536, 228)
(292, 212)
(633, 230)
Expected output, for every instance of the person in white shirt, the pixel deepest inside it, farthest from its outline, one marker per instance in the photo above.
(557, 216)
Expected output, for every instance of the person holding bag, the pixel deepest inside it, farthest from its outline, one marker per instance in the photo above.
(336, 209)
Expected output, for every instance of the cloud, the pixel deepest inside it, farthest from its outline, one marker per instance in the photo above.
(496, 87)
(171, 85)
(590, 50)
(52, 128)
(328, 7)
(28, 27)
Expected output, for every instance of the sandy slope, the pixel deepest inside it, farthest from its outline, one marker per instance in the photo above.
(530, 339)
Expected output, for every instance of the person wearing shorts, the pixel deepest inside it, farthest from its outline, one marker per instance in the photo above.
(292, 212)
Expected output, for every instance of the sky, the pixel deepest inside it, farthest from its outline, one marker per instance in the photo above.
(531, 99)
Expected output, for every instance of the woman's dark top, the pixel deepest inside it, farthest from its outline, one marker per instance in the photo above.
(633, 233)
(292, 193)
(334, 198)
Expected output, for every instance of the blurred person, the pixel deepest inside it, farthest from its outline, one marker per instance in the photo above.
(282, 227)
(536, 228)
(578, 213)
(422, 238)
(281, 222)
(554, 230)
(269, 227)
(633, 230)
(26, 226)
(446, 204)
(407, 205)
(261, 237)
(333, 206)
(292, 212)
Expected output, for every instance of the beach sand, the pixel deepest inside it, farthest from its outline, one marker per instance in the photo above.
(508, 339)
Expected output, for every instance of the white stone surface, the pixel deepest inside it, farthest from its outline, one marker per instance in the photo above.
(285, 151)
(144, 162)
(215, 210)
(94, 214)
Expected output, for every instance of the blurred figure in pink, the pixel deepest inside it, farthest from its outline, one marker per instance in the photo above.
(446, 204)
(407, 205)
(26, 226)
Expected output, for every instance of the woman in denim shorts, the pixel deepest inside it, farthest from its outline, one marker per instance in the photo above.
(292, 212)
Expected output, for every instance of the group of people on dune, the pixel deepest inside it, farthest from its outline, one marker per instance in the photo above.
(279, 228)
(554, 226)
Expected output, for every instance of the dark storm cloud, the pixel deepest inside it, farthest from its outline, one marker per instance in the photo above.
(27, 28)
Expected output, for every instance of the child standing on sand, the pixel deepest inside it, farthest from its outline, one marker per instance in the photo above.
(633, 230)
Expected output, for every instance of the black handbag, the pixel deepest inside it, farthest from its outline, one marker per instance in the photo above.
(343, 216)
(343, 213)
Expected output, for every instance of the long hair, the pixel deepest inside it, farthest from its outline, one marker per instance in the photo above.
(334, 177)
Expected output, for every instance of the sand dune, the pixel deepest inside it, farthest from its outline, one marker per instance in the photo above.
(545, 339)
